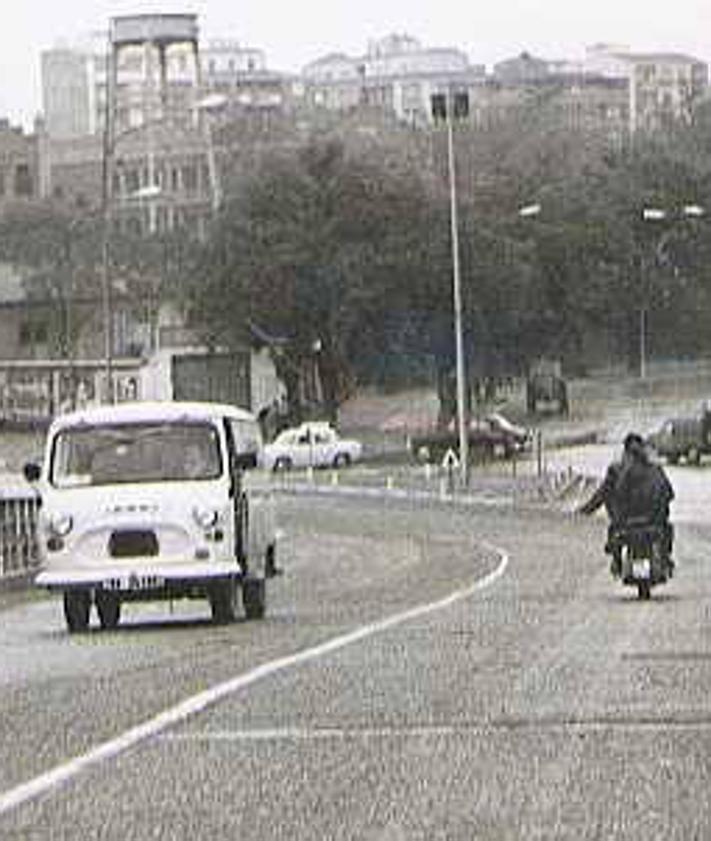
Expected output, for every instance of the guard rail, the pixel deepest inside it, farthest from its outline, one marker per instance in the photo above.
(19, 557)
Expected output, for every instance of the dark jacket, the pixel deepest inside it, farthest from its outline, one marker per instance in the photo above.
(643, 491)
(606, 494)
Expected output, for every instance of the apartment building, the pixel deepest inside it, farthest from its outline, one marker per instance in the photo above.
(19, 165)
(397, 73)
(662, 87)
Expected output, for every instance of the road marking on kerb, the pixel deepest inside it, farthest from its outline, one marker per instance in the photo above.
(60, 774)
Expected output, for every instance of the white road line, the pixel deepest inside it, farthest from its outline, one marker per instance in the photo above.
(44, 783)
(303, 734)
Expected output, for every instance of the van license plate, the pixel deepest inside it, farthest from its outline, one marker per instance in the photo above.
(641, 569)
(134, 582)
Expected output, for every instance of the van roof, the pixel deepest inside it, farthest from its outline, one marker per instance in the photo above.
(145, 410)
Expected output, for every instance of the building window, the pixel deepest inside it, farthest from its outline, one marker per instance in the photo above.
(23, 180)
(32, 333)
(190, 178)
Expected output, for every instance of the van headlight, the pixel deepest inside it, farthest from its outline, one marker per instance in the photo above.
(60, 524)
(206, 518)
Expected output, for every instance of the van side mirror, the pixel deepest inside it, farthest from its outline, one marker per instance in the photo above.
(32, 471)
(245, 461)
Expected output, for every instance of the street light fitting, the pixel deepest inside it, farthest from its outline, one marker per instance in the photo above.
(694, 210)
(529, 210)
(653, 213)
(151, 191)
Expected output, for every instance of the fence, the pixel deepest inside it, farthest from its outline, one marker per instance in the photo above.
(18, 533)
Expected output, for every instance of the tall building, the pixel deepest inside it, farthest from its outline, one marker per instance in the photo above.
(19, 165)
(67, 92)
(397, 73)
(662, 87)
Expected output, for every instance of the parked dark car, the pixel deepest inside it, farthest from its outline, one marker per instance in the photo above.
(488, 437)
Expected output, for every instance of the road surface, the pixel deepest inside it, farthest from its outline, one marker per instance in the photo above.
(423, 673)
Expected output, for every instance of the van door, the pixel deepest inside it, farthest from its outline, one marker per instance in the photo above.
(240, 506)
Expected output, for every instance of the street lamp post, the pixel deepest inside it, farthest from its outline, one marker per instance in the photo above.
(107, 187)
(657, 214)
(449, 106)
(209, 106)
(457, 301)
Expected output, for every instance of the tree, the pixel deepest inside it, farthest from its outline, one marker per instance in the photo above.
(319, 246)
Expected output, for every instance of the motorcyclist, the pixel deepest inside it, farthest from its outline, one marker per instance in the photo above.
(606, 494)
(633, 487)
(644, 492)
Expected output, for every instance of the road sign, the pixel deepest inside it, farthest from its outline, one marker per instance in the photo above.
(450, 459)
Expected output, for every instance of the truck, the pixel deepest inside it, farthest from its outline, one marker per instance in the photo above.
(546, 389)
(684, 438)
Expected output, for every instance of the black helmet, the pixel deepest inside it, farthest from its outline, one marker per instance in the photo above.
(634, 443)
(633, 439)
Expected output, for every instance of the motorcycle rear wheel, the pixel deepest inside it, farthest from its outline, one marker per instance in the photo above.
(644, 590)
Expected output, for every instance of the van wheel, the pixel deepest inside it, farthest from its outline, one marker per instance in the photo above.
(341, 460)
(283, 463)
(254, 597)
(77, 604)
(270, 564)
(223, 602)
(108, 607)
(693, 456)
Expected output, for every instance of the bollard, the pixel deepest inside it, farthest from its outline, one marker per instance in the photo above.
(334, 477)
(310, 475)
(389, 484)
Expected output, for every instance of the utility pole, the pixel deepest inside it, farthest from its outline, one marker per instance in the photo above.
(451, 106)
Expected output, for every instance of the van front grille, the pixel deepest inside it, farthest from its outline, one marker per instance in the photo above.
(133, 544)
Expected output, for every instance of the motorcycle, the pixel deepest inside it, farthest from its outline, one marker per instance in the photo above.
(642, 550)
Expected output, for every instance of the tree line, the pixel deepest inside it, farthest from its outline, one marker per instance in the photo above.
(333, 247)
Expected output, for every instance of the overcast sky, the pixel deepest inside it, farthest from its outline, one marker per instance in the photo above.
(295, 32)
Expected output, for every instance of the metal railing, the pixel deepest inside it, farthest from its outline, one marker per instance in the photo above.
(18, 533)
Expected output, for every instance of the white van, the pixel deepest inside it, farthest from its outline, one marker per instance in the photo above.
(146, 501)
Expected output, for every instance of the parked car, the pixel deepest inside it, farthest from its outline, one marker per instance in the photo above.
(488, 437)
(312, 444)
(519, 437)
(687, 438)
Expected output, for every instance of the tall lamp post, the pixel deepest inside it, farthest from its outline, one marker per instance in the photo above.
(448, 107)
(210, 106)
(657, 214)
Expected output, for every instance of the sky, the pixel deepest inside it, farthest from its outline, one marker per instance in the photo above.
(295, 32)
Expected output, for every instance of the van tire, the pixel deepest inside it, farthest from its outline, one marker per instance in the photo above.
(341, 460)
(254, 597)
(108, 606)
(223, 601)
(77, 605)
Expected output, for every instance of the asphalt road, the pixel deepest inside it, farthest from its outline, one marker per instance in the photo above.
(421, 674)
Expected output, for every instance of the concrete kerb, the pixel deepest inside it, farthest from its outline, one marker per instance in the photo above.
(564, 489)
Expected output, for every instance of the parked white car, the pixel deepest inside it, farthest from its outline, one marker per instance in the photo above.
(312, 444)
(150, 501)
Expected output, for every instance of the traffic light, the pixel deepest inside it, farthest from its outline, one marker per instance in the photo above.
(460, 105)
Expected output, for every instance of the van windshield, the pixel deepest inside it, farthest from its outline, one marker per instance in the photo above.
(135, 452)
